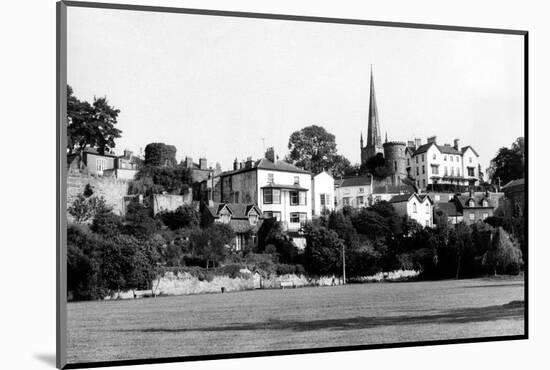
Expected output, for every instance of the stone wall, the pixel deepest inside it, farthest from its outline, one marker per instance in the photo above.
(110, 188)
(169, 202)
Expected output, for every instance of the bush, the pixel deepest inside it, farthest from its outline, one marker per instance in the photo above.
(284, 269)
(108, 224)
(183, 217)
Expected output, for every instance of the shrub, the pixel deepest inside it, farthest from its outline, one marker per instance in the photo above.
(108, 224)
(284, 269)
(183, 217)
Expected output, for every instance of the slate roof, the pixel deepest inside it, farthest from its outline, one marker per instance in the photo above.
(266, 164)
(393, 189)
(446, 149)
(423, 148)
(510, 184)
(478, 199)
(406, 197)
(355, 181)
(466, 148)
(449, 208)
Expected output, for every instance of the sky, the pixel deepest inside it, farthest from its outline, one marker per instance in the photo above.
(225, 88)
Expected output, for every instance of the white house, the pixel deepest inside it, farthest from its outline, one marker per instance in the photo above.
(322, 193)
(279, 189)
(431, 163)
(354, 192)
(418, 207)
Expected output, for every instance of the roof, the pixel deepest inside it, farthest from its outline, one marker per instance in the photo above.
(466, 148)
(393, 189)
(478, 199)
(266, 164)
(237, 210)
(447, 149)
(423, 148)
(282, 186)
(449, 208)
(355, 181)
(406, 197)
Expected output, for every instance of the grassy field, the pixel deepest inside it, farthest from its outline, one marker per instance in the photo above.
(294, 318)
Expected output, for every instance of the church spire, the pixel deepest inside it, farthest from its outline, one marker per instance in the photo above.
(361, 139)
(374, 141)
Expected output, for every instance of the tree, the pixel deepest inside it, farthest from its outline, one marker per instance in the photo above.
(271, 233)
(183, 217)
(314, 149)
(157, 179)
(90, 125)
(107, 224)
(160, 154)
(84, 208)
(461, 241)
(509, 164)
(211, 243)
(503, 255)
(323, 253)
(376, 166)
(140, 221)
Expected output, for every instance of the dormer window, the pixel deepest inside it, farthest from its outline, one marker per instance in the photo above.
(253, 218)
(225, 218)
(485, 204)
(471, 203)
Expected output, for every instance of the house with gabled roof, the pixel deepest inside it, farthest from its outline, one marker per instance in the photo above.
(418, 207)
(475, 206)
(244, 220)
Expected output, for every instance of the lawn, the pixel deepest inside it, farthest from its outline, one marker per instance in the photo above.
(263, 320)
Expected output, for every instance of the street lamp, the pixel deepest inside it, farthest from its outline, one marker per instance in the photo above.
(344, 262)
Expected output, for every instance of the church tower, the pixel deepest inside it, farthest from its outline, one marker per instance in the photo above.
(374, 141)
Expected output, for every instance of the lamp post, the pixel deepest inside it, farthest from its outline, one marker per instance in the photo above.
(344, 262)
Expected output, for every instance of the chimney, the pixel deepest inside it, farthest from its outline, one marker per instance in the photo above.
(248, 162)
(411, 144)
(417, 143)
(270, 154)
(457, 144)
(235, 165)
(241, 165)
(188, 162)
(202, 164)
(431, 139)
(128, 153)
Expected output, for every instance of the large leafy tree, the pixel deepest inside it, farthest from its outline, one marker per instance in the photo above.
(509, 163)
(323, 253)
(314, 149)
(90, 125)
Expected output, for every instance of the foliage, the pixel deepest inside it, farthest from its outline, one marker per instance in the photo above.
(160, 155)
(509, 163)
(314, 149)
(183, 217)
(271, 233)
(503, 255)
(84, 208)
(108, 224)
(211, 243)
(155, 180)
(90, 125)
(376, 166)
(323, 253)
(140, 221)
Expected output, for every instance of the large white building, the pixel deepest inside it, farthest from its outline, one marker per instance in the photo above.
(322, 193)
(432, 164)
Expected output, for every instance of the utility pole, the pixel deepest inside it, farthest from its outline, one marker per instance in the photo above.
(344, 262)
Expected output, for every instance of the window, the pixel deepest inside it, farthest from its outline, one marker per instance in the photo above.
(428, 223)
(457, 158)
(423, 170)
(445, 171)
(434, 157)
(452, 171)
(408, 162)
(345, 201)
(422, 157)
(445, 158)
(471, 216)
(423, 183)
(297, 198)
(485, 204)
(437, 197)
(298, 217)
(253, 219)
(296, 180)
(360, 201)
(323, 201)
(451, 158)
(327, 196)
(416, 159)
(458, 171)
(417, 171)
(471, 171)
(435, 170)
(270, 178)
(427, 209)
(414, 207)
(470, 160)
(272, 196)
(100, 164)
(485, 215)
(236, 197)
(471, 203)
(450, 197)
(395, 165)
(271, 214)
(361, 190)
(225, 218)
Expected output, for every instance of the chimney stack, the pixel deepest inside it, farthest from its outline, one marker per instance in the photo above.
(248, 162)
(431, 139)
(270, 154)
(188, 162)
(411, 144)
(203, 164)
(235, 165)
(457, 144)
(417, 143)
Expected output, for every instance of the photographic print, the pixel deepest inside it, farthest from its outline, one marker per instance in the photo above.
(240, 184)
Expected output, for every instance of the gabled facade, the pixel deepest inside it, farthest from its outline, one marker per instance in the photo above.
(322, 194)
(354, 192)
(244, 219)
(418, 207)
(474, 206)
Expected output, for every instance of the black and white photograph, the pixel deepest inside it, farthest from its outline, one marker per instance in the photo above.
(243, 185)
